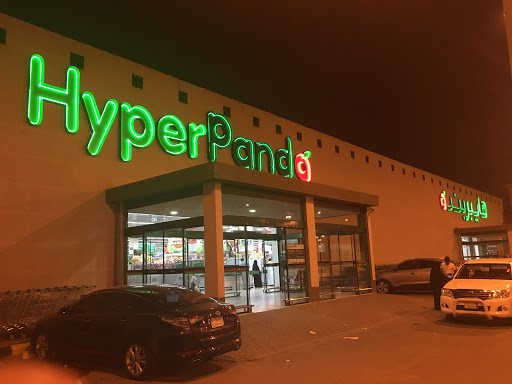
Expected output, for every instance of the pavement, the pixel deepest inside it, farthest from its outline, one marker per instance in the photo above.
(265, 333)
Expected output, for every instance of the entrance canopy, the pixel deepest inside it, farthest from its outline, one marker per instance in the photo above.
(192, 179)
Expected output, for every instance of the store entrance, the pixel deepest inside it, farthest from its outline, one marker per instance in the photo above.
(258, 271)
(343, 262)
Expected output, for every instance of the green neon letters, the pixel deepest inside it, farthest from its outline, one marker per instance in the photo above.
(194, 132)
(100, 124)
(39, 91)
(128, 136)
(245, 159)
(172, 134)
(216, 140)
(262, 148)
(469, 211)
(166, 134)
(284, 160)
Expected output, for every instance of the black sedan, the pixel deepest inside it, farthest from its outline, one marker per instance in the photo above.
(143, 326)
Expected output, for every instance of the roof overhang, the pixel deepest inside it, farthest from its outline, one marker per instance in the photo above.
(487, 229)
(194, 177)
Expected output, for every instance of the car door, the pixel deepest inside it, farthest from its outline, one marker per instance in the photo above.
(406, 274)
(79, 332)
(423, 274)
(126, 317)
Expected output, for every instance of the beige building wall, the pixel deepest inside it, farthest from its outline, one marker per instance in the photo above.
(56, 227)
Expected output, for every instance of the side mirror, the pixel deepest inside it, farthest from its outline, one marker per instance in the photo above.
(64, 310)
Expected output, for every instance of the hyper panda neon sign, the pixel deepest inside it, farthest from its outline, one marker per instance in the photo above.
(469, 211)
(172, 135)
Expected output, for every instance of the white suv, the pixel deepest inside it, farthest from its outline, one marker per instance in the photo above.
(481, 288)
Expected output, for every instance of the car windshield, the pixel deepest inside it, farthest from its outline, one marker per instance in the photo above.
(485, 271)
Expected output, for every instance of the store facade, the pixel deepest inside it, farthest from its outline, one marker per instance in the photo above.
(116, 173)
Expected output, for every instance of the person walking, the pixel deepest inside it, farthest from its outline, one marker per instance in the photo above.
(437, 280)
(257, 275)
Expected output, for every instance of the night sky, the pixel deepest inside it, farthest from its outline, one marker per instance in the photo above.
(426, 82)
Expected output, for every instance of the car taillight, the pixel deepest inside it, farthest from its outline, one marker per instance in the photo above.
(180, 321)
(195, 319)
(232, 310)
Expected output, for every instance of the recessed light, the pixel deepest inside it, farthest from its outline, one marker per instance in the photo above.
(319, 212)
(246, 205)
(252, 210)
(174, 212)
(346, 219)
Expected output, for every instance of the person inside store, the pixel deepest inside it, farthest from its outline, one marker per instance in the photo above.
(193, 282)
(257, 276)
(437, 280)
(448, 268)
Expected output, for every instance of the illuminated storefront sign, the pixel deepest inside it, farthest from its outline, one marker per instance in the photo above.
(173, 136)
(469, 211)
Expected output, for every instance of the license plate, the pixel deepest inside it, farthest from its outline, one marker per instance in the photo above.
(217, 322)
(470, 305)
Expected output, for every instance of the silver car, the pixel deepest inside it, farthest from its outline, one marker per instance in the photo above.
(409, 275)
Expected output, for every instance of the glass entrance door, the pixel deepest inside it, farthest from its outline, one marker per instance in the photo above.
(343, 262)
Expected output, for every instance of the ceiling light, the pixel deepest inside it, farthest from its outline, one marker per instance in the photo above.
(252, 210)
(246, 205)
(288, 216)
(319, 212)
(174, 212)
(346, 219)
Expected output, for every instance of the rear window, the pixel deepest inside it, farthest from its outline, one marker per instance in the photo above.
(485, 271)
(185, 297)
(172, 295)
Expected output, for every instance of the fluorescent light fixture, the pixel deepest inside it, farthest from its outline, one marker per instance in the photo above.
(252, 210)
(174, 212)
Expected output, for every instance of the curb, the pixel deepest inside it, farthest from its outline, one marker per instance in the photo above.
(16, 350)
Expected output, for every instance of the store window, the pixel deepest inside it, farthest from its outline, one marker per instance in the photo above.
(194, 253)
(484, 245)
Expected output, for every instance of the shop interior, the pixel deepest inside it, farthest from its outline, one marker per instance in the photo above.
(264, 252)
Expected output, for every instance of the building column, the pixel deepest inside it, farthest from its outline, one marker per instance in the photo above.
(119, 245)
(371, 257)
(213, 251)
(311, 249)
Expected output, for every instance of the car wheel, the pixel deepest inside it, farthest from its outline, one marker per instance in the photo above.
(384, 286)
(137, 361)
(41, 346)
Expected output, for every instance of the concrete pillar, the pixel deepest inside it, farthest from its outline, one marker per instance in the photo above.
(119, 245)
(310, 247)
(371, 256)
(213, 251)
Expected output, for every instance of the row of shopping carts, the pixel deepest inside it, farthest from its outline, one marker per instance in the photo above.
(19, 310)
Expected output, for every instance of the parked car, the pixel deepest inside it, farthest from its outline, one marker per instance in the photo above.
(409, 275)
(141, 326)
(481, 287)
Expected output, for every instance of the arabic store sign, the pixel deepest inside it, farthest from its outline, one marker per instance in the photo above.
(172, 135)
(469, 211)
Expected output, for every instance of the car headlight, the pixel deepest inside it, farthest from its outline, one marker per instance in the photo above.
(501, 294)
(446, 292)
